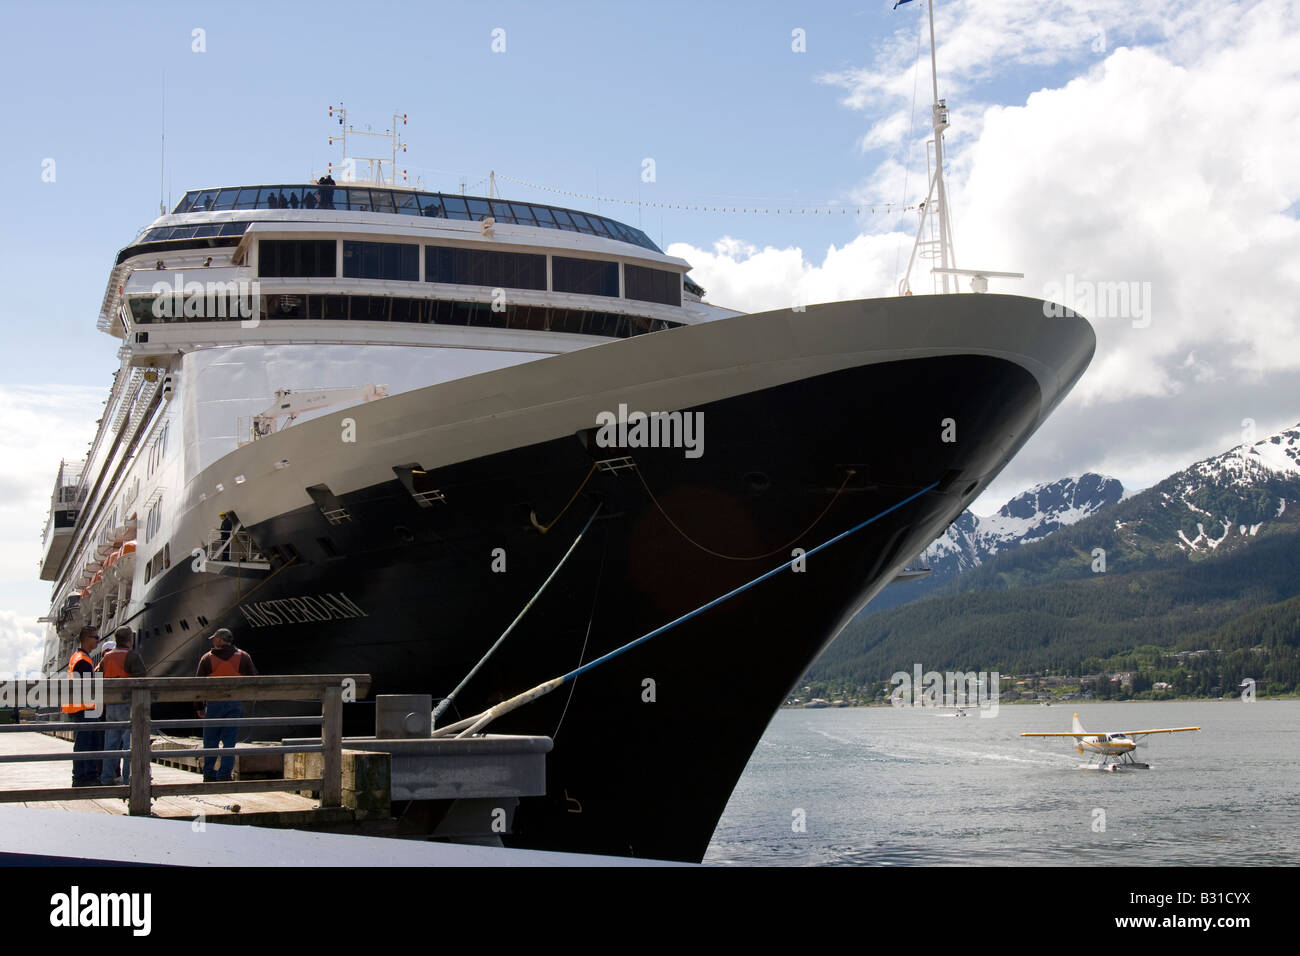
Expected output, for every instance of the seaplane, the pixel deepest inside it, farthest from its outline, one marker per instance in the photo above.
(1114, 750)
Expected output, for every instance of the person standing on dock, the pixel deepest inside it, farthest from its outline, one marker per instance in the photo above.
(85, 773)
(122, 661)
(224, 660)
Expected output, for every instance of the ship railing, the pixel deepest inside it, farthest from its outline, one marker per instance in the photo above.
(242, 550)
(141, 693)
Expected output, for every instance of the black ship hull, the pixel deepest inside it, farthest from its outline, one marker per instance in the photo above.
(649, 746)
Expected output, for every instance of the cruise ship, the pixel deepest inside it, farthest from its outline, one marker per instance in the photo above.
(363, 426)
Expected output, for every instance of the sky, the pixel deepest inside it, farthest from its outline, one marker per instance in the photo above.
(1092, 144)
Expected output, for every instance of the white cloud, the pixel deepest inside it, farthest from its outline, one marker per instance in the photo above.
(22, 641)
(41, 425)
(741, 276)
(1170, 166)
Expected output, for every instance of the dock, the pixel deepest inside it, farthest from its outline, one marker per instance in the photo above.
(454, 798)
(267, 809)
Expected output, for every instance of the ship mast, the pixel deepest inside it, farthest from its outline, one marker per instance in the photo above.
(935, 222)
(377, 176)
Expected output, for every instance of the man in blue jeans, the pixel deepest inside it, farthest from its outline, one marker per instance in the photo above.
(224, 660)
(122, 661)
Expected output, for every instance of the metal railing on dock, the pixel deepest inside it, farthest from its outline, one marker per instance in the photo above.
(142, 692)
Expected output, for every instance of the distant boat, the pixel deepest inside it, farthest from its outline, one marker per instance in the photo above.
(816, 704)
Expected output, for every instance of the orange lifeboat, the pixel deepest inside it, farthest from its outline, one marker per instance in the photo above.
(122, 562)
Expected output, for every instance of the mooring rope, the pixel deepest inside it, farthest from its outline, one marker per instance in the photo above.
(591, 619)
(756, 557)
(473, 725)
(447, 701)
(543, 528)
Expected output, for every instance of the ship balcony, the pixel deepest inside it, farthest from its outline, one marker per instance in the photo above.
(58, 536)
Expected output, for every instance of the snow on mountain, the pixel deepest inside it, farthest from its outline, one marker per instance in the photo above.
(1247, 464)
(1226, 499)
(1029, 516)
(1224, 490)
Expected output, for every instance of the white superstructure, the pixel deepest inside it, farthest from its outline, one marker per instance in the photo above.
(243, 293)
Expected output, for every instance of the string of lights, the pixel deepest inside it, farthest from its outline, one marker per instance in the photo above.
(784, 209)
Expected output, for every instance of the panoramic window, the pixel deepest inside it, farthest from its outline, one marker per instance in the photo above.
(381, 260)
(584, 276)
(652, 285)
(506, 270)
(454, 207)
(294, 258)
(404, 202)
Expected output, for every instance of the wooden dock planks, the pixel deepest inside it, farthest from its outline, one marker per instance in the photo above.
(273, 808)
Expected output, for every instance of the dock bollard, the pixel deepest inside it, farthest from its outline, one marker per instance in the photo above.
(403, 716)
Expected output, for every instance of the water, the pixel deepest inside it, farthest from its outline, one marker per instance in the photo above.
(883, 786)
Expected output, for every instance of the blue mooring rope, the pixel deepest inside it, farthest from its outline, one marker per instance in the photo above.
(744, 587)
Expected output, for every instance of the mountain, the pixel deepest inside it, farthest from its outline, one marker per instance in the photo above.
(1206, 563)
(1229, 490)
(1030, 516)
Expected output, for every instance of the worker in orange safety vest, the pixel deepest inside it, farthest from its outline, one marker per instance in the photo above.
(224, 660)
(85, 773)
(122, 661)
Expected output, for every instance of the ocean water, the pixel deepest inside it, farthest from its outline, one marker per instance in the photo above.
(879, 786)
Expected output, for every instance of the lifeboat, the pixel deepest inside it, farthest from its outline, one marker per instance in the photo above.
(122, 562)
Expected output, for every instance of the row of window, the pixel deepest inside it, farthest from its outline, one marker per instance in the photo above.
(184, 623)
(206, 231)
(408, 203)
(457, 265)
(153, 521)
(159, 563)
(158, 451)
(382, 308)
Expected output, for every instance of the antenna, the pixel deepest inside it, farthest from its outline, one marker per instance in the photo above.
(934, 209)
(377, 177)
(162, 149)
